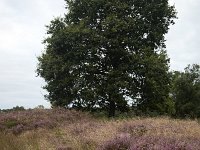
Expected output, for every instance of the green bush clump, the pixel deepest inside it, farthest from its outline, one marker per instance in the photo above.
(10, 123)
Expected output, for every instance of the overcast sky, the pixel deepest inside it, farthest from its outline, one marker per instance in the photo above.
(22, 29)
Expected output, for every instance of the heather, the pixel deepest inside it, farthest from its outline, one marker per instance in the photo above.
(61, 129)
(19, 121)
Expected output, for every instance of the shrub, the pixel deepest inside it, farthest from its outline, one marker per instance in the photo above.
(64, 148)
(19, 121)
(17, 129)
(149, 143)
(134, 129)
(161, 143)
(10, 123)
(121, 142)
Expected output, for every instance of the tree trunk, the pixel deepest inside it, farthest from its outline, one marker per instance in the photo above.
(112, 108)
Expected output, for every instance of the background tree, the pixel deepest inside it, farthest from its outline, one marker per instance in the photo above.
(16, 108)
(103, 53)
(186, 91)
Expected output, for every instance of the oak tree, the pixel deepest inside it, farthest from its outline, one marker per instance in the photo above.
(107, 54)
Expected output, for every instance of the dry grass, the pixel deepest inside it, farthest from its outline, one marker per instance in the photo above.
(71, 130)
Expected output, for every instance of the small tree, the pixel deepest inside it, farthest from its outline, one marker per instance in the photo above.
(106, 52)
(186, 91)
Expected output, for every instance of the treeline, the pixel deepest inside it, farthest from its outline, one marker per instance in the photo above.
(20, 108)
(16, 108)
(185, 91)
(184, 94)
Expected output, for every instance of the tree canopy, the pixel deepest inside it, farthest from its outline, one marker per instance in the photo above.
(107, 54)
(186, 91)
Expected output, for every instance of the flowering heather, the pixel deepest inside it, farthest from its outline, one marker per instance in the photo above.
(64, 148)
(121, 142)
(60, 129)
(18, 121)
(134, 129)
(149, 143)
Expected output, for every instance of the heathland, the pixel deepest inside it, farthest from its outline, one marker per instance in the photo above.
(60, 129)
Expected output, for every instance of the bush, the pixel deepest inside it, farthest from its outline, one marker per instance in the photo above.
(19, 121)
(122, 142)
(149, 143)
(10, 123)
(134, 129)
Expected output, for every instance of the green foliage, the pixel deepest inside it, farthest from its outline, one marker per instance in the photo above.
(104, 52)
(186, 91)
(10, 123)
(16, 108)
